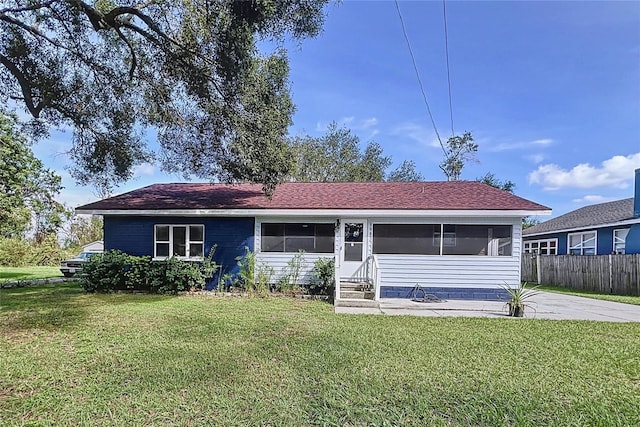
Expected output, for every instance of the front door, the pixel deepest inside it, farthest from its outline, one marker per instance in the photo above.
(353, 248)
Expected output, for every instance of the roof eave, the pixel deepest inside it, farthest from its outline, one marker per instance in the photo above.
(317, 212)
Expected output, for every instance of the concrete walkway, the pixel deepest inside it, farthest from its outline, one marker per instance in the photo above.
(545, 305)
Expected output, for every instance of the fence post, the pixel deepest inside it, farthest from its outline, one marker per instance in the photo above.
(538, 270)
(610, 276)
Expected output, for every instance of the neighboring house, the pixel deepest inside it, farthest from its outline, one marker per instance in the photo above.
(605, 228)
(97, 246)
(455, 239)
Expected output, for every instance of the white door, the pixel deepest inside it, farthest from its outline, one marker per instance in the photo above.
(354, 243)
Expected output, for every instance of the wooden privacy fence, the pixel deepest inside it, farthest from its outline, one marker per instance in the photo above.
(615, 274)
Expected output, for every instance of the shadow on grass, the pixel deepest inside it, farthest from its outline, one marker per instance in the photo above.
(57, 306)
(7, 275)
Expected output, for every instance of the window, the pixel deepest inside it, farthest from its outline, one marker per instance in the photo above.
(619, 239)
(424, 239)
(294, 237)
(542, 247)
(582, 243)
(183, 241)
(415, 239)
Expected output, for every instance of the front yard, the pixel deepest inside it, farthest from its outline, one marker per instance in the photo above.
(70, 358)
(11, 274)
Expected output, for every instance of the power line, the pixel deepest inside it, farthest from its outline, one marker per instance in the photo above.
(415, 67)
(446, 49)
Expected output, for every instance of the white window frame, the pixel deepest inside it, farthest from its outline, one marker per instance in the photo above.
(582, 242)
(535, 246)
(619, 243)
(188, 241)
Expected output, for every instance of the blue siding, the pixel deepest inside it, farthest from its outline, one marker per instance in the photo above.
(134, 235)
(604, 239)
(482, 294)
(632, 245)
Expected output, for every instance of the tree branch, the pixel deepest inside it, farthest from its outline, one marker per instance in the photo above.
(25, 86)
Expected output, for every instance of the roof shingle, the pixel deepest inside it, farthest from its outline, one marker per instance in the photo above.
(588, 216)
(454, 195)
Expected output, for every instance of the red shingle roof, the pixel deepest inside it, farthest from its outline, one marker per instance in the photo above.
(455, 195)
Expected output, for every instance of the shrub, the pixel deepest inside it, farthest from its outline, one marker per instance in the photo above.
(323, 277)
(116, 270)
(105, 273)
(15, 252)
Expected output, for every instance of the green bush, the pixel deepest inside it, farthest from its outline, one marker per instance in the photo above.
(323, 277)
(116, 270)
(15, 252)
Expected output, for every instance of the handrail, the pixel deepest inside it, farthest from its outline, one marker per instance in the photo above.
(375, 270)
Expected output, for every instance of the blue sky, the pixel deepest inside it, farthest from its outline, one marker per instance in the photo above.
(550, 91)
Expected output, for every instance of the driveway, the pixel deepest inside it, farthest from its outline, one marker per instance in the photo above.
(545, 305)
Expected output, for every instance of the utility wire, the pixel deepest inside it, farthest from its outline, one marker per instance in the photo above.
(446, 49)
(415, 67)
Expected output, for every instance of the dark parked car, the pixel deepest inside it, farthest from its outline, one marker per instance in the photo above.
(72, 266)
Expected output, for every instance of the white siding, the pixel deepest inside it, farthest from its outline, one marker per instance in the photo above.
(449, 271)
(279, 262)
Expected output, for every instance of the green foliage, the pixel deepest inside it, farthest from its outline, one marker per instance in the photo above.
(458, 151)
(27, 189)
(529, 221)
(190, 70)
(288, 282)
(115, 270)
(406, 172)
(246, 278)
(15, 252)
(490, 179)
(19, 252)
(336, 156)
(518, 298)
(323, 279)
(82, 230)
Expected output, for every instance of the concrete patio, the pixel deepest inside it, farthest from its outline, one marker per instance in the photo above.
(545, 305)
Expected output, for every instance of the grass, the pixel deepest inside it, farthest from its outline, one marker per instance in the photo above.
(70, 358)
(28, 273)
(589, 294)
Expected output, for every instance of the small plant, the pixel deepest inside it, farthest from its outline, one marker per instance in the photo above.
(247, 270)
(323, 277)
(288, 283)
(264, 276)
(519, 297)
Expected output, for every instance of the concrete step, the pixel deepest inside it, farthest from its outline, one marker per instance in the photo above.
(349, 302)
(354, 286)
(357, 294)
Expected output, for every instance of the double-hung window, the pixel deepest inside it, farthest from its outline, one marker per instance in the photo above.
(182, 241)
(582, 243)
(542, 247)
(619, 239)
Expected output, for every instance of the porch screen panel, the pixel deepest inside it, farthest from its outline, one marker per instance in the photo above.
(492, 240)
(294, 237)
(408, 239)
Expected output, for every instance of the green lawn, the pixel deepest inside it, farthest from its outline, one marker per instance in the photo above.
(69, 358)
(27, 273)
(589, 294)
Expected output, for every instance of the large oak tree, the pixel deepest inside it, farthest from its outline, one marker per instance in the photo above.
(188, 69)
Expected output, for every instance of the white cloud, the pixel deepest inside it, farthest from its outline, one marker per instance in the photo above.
(349, 122)
(418, 133)
(522, 145)
(535, 158)
(593, 198)
(144, 169)
(616, 172)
